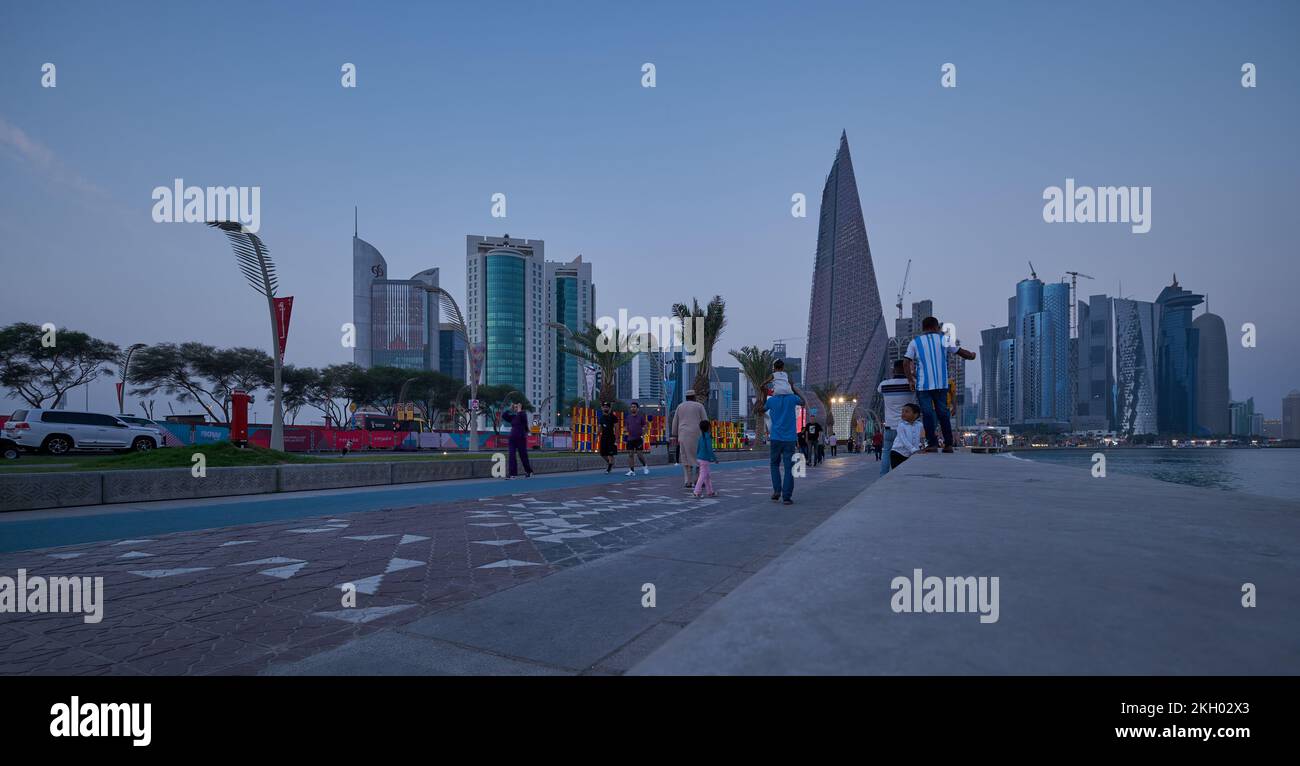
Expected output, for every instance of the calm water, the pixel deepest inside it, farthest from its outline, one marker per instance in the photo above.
(1271, 472)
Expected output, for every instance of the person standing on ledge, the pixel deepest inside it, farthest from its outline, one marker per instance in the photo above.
(686, 430)
(927, 374)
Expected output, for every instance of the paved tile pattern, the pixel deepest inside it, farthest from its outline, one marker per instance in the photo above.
(237, 599)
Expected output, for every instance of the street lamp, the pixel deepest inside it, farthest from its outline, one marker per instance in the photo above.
(259, 270)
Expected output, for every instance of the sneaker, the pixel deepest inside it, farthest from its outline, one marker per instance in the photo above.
(787, 501)
(630, 472)
(645, 469)
(697, 495)
(776, 495)
(609, 467)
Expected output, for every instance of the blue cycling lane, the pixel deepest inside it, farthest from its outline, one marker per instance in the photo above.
(18, 531)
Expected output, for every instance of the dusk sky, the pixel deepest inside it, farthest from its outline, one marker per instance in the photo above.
(672, 192)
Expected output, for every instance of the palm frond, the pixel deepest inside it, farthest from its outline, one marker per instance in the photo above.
(251, 256)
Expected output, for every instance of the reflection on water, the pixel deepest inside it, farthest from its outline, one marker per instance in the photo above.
(1271, 472)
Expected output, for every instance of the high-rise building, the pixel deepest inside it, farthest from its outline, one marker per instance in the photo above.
(396, 320)
(1241, 418)
(1056, 303)
(1135, 367)
(570, 301)
(847, 335)
(1291, 415)
(641, 379)
(451, 353)
(1008, 392)
(907, 328)
(990, 347)
(1178, 346)
(724, 395)
(505, 299)
(1211, 375)
(1095, 373)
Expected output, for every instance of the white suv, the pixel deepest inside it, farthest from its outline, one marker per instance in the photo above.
(59, 431)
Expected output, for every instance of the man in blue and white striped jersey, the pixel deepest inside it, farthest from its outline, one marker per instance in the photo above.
(927, 372)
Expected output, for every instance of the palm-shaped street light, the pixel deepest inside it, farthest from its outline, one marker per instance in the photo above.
(254, 260)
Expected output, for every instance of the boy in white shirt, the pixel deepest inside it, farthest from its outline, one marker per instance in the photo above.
(908, 440)
(779, 382)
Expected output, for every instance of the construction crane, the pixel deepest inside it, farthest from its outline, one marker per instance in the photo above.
(1032, 274)
(903, 290)
(1074, 300)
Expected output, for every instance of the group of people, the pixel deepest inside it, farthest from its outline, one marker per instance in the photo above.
(915, 408)
(918, 390)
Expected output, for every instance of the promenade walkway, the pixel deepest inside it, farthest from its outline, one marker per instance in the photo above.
(1113, 575)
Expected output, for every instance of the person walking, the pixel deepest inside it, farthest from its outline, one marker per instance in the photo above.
(877, 442)
(813, 431)
(518, 442)
(686, 431)
(927, 374)
(704, 454)
(608, 423)
(834, 442)
(634, 423)
(782, 439)
(802, 441)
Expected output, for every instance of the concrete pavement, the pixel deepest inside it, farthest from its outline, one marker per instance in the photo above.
(1114, 575)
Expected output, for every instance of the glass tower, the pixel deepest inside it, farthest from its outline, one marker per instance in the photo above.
(1176, 360)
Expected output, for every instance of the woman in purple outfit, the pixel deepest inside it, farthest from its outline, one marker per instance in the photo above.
(518, 420)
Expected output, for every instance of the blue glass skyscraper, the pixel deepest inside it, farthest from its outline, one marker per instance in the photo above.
(1178, 347)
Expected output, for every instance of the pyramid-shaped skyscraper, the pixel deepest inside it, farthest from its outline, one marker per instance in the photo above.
(847, 338)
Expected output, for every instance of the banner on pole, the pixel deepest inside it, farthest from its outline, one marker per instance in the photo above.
(283, 310)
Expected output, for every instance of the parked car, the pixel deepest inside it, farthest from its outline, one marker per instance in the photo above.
(58, 432)
(135, 420)
(9, 449)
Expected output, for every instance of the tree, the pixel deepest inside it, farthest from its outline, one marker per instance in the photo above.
(608, 351)
(715, 321)
(497, 399)
(756, 365)
(41, 365)
(199, 373)
(298, 383)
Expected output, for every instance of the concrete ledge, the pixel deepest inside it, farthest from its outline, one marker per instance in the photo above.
(24, 491)
(294, 478)
(176, 483)
(1118, 575)
(410, 471)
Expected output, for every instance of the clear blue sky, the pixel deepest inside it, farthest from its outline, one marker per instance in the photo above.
(672, 192)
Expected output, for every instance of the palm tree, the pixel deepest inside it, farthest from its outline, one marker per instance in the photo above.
(607, 351)
(756, 364)
(826, 393)
(715, 321)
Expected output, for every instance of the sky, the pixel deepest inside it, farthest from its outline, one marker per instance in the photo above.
(678, 191)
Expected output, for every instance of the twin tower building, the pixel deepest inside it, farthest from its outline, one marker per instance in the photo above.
(511, 295)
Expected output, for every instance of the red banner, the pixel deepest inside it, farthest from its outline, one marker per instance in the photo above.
(283, 310)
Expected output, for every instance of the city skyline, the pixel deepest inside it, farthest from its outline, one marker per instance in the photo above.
(420, 192)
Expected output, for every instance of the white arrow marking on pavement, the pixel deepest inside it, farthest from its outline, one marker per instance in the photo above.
(367, 538)
(509, 563)
(272, 560)
(397, 565)
(495, 542)
(64, 555)
(365, 614)
(135, 555)
(284, 573)
(411, 539)
(168, 572)
(367, 585)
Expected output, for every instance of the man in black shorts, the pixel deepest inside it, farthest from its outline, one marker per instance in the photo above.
(635, 422)
(608, 445)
